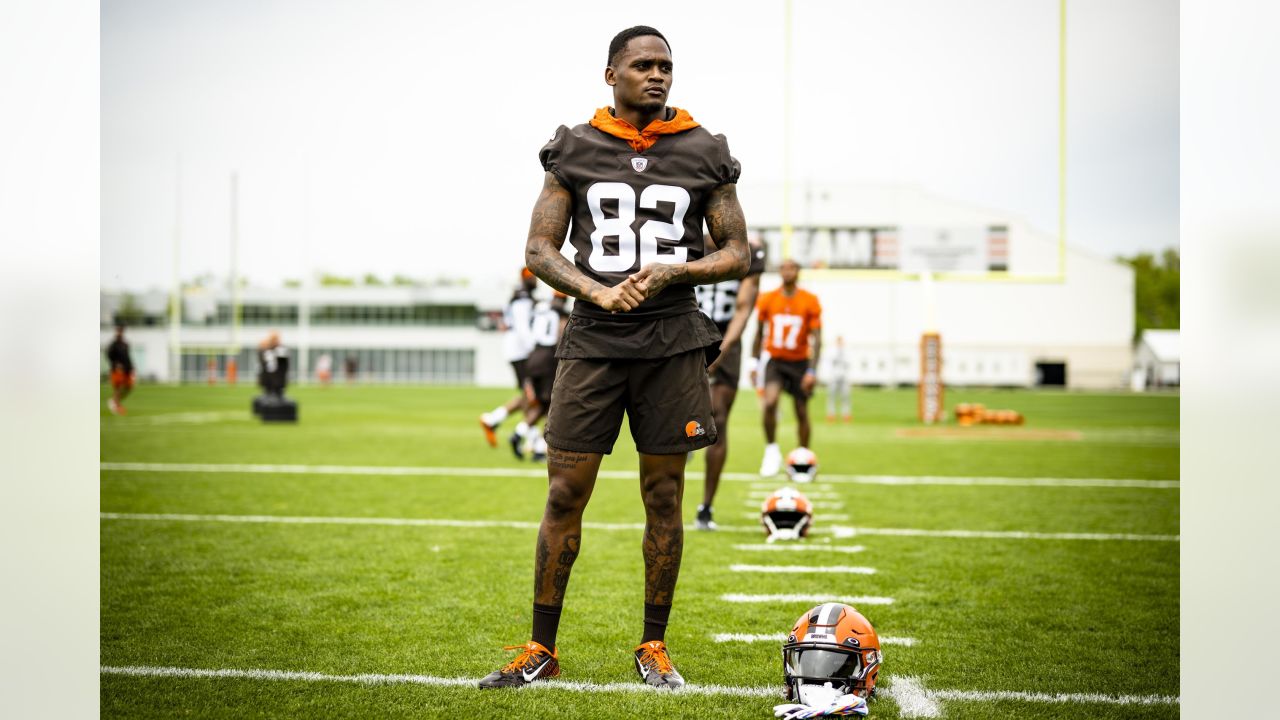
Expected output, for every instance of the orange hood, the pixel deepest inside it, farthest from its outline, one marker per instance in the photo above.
(641, 140)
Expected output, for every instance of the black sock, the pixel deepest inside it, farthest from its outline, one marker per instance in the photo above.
(546, 620)
(655, 622)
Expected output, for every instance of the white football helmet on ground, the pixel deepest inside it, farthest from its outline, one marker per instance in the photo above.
(786, 515)
(802, 465)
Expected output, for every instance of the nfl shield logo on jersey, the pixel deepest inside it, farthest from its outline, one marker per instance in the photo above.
(639, 164)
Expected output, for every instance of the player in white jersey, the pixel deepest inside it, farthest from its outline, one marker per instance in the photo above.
(838, 401)
(517, 343)
(549, 320)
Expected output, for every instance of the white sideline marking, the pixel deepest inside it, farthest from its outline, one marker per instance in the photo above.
(801, 548)
(379, 679)
(909, 694)
(841, 569)
(839, 532)
(781, 637)
(618, 474)
(848, 532)
(912, 699)
(854, 600)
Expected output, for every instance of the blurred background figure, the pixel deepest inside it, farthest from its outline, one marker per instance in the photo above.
(273, 366)
(789, 329)
(350, 366)
(324, 369)
(728, 303)
(121, 372)
(517, 344)
(548, 325)
(839, 404)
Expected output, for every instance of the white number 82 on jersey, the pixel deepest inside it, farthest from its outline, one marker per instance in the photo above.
(651, 233)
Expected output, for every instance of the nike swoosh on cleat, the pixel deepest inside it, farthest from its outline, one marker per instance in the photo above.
(644, 671)
(531, 676)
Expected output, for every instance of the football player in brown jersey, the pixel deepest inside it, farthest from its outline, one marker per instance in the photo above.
(631, 189)
(729, 304)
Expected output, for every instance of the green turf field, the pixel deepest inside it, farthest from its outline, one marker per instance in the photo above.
(1072, 591)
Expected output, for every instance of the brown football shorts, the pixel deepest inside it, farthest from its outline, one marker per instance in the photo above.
(789, 373)
(540, 373)
(730, 370)
(521, 373)
(667, 402)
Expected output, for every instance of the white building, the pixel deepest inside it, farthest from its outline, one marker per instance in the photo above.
(385, 334)
(1007, 315)
(1015, 309)
(1158, 359)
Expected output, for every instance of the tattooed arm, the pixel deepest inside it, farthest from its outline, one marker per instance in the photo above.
(547, 231)
(729, 232)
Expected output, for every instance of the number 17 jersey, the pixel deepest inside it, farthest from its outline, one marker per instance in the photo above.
(632, 208)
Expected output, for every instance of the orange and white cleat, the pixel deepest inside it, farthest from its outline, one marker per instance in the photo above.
(533, 663)
(653, 662)
(489, 434)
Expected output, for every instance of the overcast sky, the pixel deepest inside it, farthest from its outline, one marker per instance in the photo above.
(401, 136)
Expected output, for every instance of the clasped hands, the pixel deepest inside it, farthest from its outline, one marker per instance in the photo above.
(639, 286)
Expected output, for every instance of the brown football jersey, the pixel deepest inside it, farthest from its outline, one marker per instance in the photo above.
(634, 208)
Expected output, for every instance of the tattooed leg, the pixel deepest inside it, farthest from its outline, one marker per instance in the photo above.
(662, 486)
(571, 478)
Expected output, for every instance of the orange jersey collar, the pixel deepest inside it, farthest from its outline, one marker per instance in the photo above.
(641, 140)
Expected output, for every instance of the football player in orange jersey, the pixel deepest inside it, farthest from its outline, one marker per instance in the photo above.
(790, 328)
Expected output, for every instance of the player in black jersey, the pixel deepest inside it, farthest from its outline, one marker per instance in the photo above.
(729, 304)
(635, 184)
(121, 372)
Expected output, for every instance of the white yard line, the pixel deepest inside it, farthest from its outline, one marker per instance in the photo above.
(187, 418)
(409, 522)
(838, 532)
(848, 532)
(761, 496)
(785, 569)
(796, 547)
(854, 600)
(781, 637)
(960, 480)
(817, 518)
(379, 679)
(912, 698)
(390, 470)
(1055, 698)
(824, 504)
(387, 470)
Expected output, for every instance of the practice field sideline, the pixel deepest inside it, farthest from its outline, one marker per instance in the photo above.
(373, 560)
